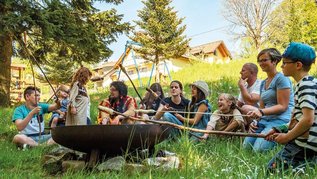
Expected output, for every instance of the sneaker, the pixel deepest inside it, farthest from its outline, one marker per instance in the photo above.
(25, 147)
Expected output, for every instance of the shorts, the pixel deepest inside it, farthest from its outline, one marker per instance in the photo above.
(44, 138)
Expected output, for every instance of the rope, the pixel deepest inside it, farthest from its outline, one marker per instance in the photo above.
(111, 111)
(185, 112)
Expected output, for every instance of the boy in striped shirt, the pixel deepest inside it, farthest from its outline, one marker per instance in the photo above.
(300, 137)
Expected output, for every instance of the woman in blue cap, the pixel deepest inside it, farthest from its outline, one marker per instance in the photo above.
(276, 101)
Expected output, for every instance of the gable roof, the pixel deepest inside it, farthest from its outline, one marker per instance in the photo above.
(210, 48)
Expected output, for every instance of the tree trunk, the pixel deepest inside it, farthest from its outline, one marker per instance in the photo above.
(157, 71)
(6, 52)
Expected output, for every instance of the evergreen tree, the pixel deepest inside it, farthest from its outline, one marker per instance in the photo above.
(73, 25)
(161, 34)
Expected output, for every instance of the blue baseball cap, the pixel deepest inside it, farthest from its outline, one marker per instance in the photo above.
(297, 51)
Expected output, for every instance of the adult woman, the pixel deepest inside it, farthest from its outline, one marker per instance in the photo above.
(276, 101)
(77, 113)
(152, 101)
(199, 107)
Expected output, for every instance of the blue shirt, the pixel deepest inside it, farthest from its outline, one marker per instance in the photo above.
(33, 126)
(269, 97)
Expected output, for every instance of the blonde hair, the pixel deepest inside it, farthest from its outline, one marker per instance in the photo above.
(62, 88)
(231, 98)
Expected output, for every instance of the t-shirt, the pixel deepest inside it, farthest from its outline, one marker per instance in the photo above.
(254, 89)
(306, 97)
(218, 122)
(269, 97)
(33, 126)
(182, 106)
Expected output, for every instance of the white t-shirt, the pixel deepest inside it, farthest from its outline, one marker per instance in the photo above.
(254, 89)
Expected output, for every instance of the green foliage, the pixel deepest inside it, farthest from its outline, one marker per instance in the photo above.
(219, 157)
(72, 31)
(161, 34)
(296, 22)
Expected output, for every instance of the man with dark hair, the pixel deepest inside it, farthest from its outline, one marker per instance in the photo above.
(28, 118)
(118, 101)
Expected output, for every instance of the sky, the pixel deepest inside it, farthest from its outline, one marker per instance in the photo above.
(203, 19)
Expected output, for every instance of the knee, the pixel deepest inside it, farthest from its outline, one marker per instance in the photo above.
(18, 139)
(167, 116)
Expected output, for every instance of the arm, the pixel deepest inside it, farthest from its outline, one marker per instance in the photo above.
(283, 96)
(236, 121)
(201, 109)
(300, 128)
(160, 112)
(22, 123)
(249, 98)
(54, 106)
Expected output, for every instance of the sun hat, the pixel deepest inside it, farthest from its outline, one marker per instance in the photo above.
(202, 86)
(297, 51)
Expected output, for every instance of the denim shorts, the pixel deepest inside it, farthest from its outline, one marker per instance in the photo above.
(44, 138)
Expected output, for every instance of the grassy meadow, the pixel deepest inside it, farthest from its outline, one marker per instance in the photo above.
(217, 158)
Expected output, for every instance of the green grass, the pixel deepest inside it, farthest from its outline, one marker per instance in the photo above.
(217, 158)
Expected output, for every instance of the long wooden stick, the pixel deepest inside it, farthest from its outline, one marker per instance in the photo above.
(110, 111)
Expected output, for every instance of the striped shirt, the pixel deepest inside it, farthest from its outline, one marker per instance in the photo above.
(306, 97)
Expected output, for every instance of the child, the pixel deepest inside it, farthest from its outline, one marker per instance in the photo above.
(151, 101)
(301, 138)
(78, 98)
(58, 116)
(233, 122)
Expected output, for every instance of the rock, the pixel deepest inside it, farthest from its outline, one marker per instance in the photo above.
(73, 165)
(132, 167)
(113, 164)
(53, 164)
(166, 163)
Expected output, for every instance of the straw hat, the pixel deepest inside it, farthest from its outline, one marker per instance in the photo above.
(202, 86)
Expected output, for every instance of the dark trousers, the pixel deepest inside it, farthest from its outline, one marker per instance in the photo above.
(293, 156)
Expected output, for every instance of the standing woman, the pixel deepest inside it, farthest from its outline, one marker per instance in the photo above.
(199, 107)
(276, 101)
(77, 113)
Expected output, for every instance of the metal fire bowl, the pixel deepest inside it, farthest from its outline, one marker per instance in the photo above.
(110, 139)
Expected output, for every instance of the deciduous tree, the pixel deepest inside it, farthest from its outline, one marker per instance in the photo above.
(73, 25)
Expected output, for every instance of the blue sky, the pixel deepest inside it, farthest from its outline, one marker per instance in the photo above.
(203, 19)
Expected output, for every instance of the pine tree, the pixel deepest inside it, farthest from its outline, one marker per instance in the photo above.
(161, 33)
(73, 25)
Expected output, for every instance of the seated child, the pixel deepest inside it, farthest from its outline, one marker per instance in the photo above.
(219, 121)
(58, 116)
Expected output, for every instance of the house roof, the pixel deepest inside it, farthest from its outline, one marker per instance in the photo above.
(105, 64)
(210, 48)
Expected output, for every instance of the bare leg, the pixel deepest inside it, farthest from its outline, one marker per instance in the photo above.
(54, 122)
(21, 139)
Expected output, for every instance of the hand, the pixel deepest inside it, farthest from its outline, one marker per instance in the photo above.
(166, 107)
(242, 82)
(254, 114)
(115, 121)
(271, 135)
(73, 110)
(281, 138)
(204, 137)
(105, 121)
(36, 110)
(253, 127)
(58, 103)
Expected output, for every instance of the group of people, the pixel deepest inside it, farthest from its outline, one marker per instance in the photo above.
(270, 107)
